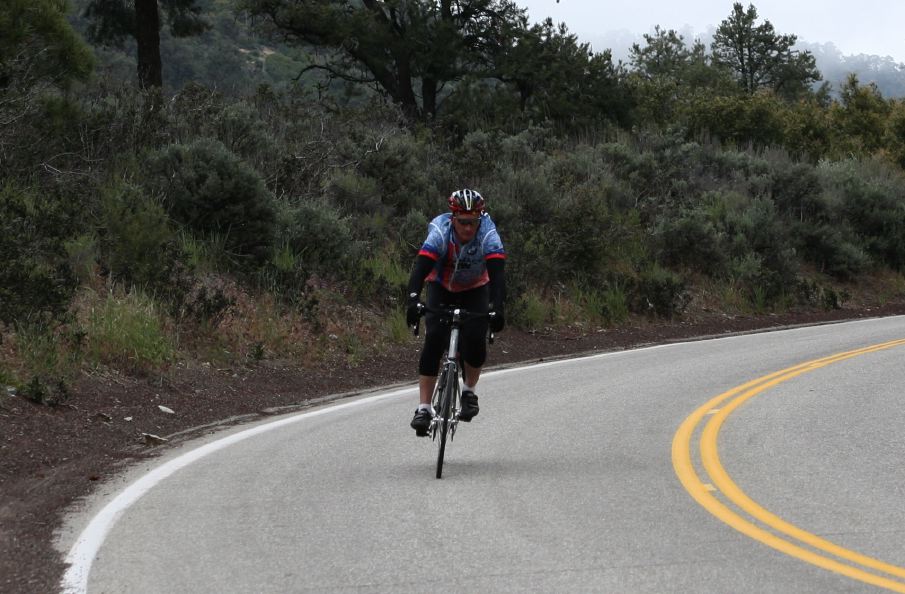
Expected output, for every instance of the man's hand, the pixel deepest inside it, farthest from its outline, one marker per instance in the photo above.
(497, 320)
(413, 310)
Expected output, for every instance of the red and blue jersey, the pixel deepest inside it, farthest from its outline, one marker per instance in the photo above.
(461, 267)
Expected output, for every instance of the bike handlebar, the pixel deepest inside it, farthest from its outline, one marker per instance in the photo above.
(449, 312)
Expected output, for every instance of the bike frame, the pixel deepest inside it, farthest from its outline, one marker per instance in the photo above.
(446, 399)
(450, 369)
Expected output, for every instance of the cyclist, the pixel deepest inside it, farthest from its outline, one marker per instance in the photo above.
(462, 260)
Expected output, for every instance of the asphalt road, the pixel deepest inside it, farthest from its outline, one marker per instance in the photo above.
(570, 479)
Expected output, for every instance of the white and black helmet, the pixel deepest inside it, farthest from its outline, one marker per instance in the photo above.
(466, 200)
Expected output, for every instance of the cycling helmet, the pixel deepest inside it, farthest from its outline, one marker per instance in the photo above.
(466, 200)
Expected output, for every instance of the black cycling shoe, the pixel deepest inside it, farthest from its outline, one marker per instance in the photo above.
(469, 406)
(421, 422)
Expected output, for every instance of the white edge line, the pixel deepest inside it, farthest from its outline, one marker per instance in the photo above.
(83, 552)
(86, 547)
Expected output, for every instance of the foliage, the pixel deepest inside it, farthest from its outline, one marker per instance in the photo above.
(660, 292)
(36, 282)
(38, 47)
(50, 359)
(859, 118)
(114, 21)
(410, 49)
(761, 58)
(138, 244)
(560, 79)
(870, 197)
(126, 331)
(40, 56)
(212, 193)
(265, 217)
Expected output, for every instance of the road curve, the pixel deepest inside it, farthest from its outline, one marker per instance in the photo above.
(566, 481)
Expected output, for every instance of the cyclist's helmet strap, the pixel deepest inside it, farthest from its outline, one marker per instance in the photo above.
(466, 200)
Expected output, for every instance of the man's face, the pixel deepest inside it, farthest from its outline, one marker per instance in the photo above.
(466, 226)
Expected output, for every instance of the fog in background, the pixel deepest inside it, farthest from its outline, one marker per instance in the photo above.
(865, 37)
(866, 27)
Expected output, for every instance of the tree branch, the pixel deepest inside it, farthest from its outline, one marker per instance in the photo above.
(335, 73)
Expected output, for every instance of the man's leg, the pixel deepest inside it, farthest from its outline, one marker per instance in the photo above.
(426, 385)
(471, 375)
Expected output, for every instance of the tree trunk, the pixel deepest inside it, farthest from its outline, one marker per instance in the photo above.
(147, 36)
(406, 92)
(429, 97)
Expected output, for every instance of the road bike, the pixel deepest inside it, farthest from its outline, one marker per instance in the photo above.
(446, 399)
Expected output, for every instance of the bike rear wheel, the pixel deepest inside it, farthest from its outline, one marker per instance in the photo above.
(447, 396)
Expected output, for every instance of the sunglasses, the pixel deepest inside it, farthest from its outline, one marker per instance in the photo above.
(466, 222)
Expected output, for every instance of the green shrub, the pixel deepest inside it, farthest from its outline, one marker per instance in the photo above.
(241, 130)
(868, 196)
(355, 194)
(395, 329)
(810, 292)
(50, 358)
(743, 119)
(758, 283)
(833, 249)
(797, 191)
(396, 164)
(600, 306)
(127, 332)
(754, 233)
(317, 236)
(139, 245)
(477, 153)
(531, 312)
(690, 240)
(82, 252)
(660, 291)
(212, 192)
(36, 281)
(614, 303)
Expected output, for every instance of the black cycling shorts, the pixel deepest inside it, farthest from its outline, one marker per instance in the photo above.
(472, 335)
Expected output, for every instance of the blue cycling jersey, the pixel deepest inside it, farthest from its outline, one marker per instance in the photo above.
(461, 267)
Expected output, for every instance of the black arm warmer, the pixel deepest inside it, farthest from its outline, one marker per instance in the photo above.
(420, 270)
(496, 269)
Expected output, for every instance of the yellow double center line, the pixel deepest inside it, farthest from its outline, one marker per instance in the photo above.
(785, 537)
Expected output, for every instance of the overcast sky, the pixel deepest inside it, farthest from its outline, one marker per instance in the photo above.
(854, 26)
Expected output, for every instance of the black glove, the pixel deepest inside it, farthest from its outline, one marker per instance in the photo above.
(497, 320)
(413, 310)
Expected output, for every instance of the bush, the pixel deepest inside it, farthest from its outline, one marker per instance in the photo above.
(599, 306)
(354, 194)
(138, 244)
(212, 192)
(530, 311)
(797, 192)
(36, 281)
(754, 233)
(318, 236)
(690, 240)
(126, 331)
(869, 195)
(396, 164)
(660, 291)
(49, 358)
(833, 250)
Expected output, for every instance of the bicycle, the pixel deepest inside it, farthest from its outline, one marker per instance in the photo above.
(445, 401)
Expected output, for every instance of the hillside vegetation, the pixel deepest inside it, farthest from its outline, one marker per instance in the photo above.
(143, 226)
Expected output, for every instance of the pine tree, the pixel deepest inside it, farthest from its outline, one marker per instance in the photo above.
(113, 21)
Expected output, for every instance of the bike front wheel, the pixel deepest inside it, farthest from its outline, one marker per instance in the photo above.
(447, 396)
